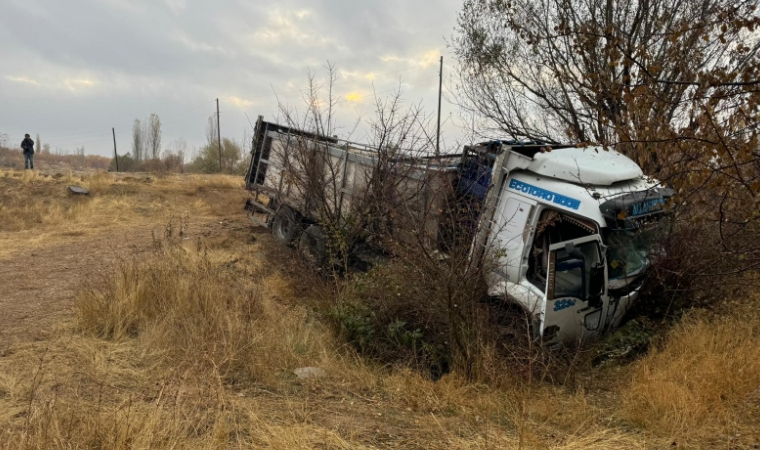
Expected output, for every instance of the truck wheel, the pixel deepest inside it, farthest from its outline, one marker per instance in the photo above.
(511, 322)
(285, 225)
(313, 246)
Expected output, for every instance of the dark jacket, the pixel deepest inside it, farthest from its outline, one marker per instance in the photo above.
(28, 145)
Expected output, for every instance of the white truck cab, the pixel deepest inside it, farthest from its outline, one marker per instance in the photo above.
(570, 229)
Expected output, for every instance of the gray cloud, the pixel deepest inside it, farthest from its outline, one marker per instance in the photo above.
(71, 70)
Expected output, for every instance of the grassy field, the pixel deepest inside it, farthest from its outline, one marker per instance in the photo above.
(188, 337)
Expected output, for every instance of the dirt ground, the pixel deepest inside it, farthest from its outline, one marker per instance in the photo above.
(62, 242)
(38, 286)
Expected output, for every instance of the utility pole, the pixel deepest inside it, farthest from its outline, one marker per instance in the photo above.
(219, 135)
(440, 89)
(115, 155)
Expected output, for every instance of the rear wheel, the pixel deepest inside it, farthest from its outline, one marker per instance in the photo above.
(285, 225)
(313, 246)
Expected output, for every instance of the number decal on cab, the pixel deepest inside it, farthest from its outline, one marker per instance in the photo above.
(559, 305)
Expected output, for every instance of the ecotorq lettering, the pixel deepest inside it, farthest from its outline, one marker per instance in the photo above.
(549, 196)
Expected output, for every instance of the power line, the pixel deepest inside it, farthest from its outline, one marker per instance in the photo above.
(337, 83)
(104, 133)
(394, 88)
(75, 136)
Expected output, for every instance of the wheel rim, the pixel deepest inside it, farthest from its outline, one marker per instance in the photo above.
(283, 226)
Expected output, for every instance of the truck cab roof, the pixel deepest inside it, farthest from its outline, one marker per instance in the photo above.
(585, 165)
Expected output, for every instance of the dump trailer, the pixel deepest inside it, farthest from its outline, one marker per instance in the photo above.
(572, 230)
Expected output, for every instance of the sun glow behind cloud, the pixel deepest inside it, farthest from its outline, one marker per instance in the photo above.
(23, 80)
(353, 97)
(69, 84)
(239, 102)
(424, 60)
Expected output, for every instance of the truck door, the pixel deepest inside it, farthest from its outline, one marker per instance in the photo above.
(506, 238)
(575, 301)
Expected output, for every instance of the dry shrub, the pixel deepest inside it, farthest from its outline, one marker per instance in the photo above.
(192, 184)
(702, 383)
(180, 301)
(99, 182)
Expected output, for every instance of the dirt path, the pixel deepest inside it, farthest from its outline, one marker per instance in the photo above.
(38, 288)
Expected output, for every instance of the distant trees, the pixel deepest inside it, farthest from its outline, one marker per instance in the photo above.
(137, 141)
(153, 136)
(207, 159)
(146, 138)
(212, 128)
(174, 156)
(147, 154)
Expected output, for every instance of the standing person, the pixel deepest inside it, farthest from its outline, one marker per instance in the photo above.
(28, 146)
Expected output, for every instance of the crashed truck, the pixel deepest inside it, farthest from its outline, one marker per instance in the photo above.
(573, 229)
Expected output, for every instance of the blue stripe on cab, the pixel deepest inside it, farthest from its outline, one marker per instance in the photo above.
(543, 194)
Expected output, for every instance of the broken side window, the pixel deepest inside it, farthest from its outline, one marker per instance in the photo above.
(553, 227)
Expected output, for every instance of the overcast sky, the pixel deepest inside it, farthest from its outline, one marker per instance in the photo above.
(70, 70)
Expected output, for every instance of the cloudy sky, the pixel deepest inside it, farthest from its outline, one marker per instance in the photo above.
(70, 70)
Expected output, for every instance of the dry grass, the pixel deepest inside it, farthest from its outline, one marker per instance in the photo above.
(195, 347)
(187, 349)
(200, 316)
(35, 208)
(703, 385)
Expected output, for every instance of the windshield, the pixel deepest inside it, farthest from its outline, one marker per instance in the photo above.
(636, 224)
(629, 249)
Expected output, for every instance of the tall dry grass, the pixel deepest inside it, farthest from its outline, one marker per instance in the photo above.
(702, 385)
(201, 317)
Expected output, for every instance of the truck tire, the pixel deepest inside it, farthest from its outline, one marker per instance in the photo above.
(313, 246)
(285, 225)
(512, 323)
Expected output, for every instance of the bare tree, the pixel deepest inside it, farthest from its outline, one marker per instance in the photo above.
(211, 127)
(38, 143)
(178, 147)
(153, 136)
(607, 71)
(173, 157)
(138, 141)
(81, 158)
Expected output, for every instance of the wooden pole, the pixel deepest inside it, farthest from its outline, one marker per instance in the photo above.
(440, 89)
(219, 135)
(115, 155)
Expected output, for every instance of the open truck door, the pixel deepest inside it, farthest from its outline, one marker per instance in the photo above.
(576, 302)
